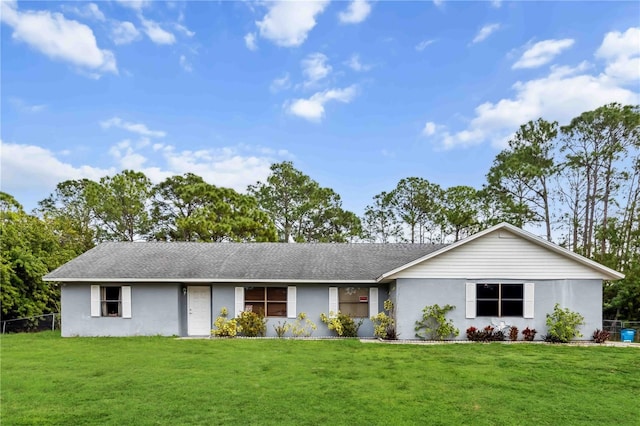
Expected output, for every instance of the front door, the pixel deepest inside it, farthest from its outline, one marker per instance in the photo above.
(198, 311)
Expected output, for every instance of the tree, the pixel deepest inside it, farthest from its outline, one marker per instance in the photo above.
(460, 211)
(28, 250)
(302, 210)
(595, 142)
(520, 174)
(186, 208)
(121, 206)
(380, 223)
(416, 202)
(70, 214)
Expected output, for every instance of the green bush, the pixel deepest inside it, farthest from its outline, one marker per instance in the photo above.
(225, 327)
(303, 327)
(281, 328)
(384, 324)
(344, 325)
(434, 324)
(252, 324)
(563, 325)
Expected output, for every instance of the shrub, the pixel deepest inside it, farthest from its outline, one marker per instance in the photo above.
(529, 334)
(303, 327)
(487, 334)
(434, 324)
(513, 333)
(225, 327)
(344, 325)
(601, 336)
(384, 325)
(252, 324)
(281, 328)
(563, 325)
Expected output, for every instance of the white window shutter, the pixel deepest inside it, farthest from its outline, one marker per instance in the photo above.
(470, 297)
(126, 301)
(239, 300)
(95, 300)
(528, 300)
(373, 301)
(291, 302)
(333, 301)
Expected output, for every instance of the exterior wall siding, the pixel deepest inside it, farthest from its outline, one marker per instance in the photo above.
(311, 299)
(155, 310)
(500, 254)
(582, 296)
(160, 309)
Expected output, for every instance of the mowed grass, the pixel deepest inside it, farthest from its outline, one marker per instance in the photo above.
(136, 381)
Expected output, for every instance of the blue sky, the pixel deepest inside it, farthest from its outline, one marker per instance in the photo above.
(357, 94)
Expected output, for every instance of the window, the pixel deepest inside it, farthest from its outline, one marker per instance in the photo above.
(111, 301)
(499, 300)
(354, 301)
(269, 301)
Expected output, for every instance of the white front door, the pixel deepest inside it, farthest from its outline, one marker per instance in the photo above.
(198, 311)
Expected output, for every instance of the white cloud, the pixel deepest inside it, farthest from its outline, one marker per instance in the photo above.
(126, 157)
(315, 68)
(429, 128)
(423, 45)
(23, 106)
(33, 168)
(134, 4)
(279, 84)
(563, 94)
(90, 11)
(542, 53)
(124, 33)
(185, 64)
(250, 41)
(357, 12)
(355, 64)
(58, 38)
(184, 30)
(621, 51)
(287, 23)
(312, 109)
(228, 167)
(155, 33)
(485, 32)
(138, 128)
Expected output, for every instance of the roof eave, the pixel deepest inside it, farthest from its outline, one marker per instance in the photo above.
(207, 280)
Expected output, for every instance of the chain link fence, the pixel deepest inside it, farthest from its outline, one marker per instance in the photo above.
(616, 326)
(32, 324)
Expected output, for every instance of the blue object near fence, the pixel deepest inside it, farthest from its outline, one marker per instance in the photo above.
(627, 334)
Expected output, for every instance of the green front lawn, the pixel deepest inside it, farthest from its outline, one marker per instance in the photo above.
(49, 380)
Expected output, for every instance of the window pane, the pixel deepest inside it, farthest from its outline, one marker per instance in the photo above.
(487, 291)
(112, 309)
(254, 293)
(276, 309)
(356, 310)
(512, 291)
(111, 293)
(512, 308)
(352, 294)
(277, 293)
(254, 307)
(487, 308)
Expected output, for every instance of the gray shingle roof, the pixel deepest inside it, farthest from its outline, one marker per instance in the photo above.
(238, 261)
